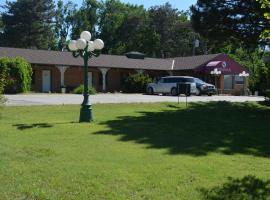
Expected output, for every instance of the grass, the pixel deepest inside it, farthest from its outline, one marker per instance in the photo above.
(136, 151)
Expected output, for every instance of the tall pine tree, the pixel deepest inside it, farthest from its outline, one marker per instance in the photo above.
(221, 21)
(28, 24)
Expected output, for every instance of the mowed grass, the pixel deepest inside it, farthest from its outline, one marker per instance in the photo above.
(135, 151)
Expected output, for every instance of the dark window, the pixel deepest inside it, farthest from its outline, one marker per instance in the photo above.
(239, 80)
(188, 80)
(166, 80)
(162, 80)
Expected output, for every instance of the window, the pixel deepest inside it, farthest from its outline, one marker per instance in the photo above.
(239, 80)
(162, 80)
(168, 80)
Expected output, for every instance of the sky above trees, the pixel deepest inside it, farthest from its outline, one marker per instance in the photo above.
(180, 4)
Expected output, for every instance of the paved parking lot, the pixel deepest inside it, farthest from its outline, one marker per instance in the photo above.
(60, 99)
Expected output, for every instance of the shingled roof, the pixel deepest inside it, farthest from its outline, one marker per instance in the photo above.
(193, 62)
(44, 57)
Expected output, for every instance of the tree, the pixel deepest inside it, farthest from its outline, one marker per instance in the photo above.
(265, 4)
(112, 15)
(63, 22)
(86, 18)
(220, 20)
(131, 31)
(174, 30)
(258, 80)
(28, 23)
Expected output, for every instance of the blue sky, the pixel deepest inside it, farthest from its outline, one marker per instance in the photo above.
(180, 4)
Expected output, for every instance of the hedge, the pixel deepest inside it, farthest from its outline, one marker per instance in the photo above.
(80, 89)
(136, 83)
(17, 73)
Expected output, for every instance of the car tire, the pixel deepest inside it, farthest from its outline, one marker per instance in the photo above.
(174, 91)
(150, 91)
(209, 95)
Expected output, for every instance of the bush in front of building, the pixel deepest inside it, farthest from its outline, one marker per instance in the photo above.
(136, 83)
(16, 75)
(79, 90)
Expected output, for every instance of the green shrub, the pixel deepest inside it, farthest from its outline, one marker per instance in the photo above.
(79, 90)
(17, 73)
(137, 83)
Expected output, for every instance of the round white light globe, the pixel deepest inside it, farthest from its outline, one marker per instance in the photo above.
(81, 44)
(98, 44)
(86, 35)
(91, 46)
(72, 45)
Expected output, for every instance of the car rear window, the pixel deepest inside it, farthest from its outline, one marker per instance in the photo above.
(187, 80)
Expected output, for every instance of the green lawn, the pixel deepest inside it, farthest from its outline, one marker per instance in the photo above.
(136, 151)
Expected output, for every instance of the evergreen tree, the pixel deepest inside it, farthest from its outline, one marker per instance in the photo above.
(28, 24)
(220, 21)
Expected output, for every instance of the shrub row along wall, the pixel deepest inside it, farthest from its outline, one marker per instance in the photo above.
(15, 74)
(137, 83)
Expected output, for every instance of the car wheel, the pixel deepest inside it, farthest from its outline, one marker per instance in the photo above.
(150, 91)
(209, 95)
(173, 92)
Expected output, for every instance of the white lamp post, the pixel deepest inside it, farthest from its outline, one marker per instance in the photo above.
(85, 48)
(244, 74)
(216, 73)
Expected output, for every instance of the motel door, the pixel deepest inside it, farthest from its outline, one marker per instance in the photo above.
(46, 81)
(90, 79)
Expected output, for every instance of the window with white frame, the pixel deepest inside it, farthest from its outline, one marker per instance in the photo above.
(239, 80)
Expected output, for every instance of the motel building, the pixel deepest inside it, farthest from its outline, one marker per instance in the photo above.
(54, 70)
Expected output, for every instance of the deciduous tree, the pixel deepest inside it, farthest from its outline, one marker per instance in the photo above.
(63, 22)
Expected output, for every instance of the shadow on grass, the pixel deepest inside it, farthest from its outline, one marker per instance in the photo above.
(202, 128)
(37, 125)
(246, 188)
(30, 126)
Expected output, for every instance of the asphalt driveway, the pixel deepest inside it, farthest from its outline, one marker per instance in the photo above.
(64, 99)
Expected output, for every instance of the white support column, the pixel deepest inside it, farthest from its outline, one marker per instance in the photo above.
(140, 71)
(62, 70)
(104, 72)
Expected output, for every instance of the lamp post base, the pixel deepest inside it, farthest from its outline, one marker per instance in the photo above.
(86, 113)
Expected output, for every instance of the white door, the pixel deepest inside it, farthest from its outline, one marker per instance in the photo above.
(46, 81)
(90, 79)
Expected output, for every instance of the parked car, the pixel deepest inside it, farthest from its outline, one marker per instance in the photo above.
(168, 85)
(204, 88)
